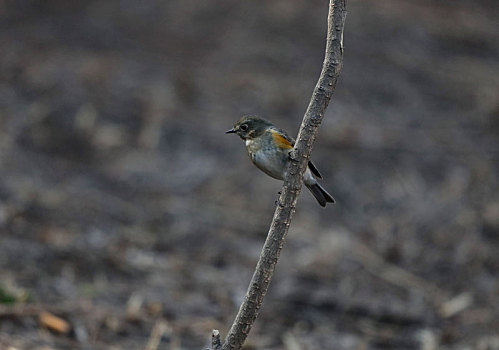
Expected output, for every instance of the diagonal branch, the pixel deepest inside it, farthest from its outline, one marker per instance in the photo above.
(294, 179)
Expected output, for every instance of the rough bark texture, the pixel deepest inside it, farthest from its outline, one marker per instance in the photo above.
(293, 182)
(216, 344)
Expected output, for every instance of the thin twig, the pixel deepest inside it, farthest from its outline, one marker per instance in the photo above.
(216, 344)
(159, 329)
(294, 179)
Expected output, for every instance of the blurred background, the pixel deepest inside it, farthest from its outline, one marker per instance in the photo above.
(128, 220)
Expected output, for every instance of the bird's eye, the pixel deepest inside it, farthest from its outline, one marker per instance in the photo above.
(244, 127)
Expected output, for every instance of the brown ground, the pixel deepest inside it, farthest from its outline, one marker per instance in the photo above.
(125, 209)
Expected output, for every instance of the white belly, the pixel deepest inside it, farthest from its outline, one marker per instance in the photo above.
(270, 162)
(274, 165)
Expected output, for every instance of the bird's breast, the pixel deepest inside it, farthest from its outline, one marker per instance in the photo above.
(267, 158)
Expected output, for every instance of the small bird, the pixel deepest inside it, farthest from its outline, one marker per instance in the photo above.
(269, 149)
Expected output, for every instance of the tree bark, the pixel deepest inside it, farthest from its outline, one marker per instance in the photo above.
(293, 181)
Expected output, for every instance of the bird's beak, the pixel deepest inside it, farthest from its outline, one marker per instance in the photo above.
(231, 131)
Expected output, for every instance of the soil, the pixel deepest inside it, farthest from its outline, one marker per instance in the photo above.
(129, 220)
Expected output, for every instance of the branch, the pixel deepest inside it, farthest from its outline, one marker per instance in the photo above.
(294, 179)
(215, 340)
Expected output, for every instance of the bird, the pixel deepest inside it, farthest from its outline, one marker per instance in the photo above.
(269, 149)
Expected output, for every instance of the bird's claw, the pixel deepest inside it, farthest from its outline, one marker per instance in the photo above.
(291, 156)
(277, 202)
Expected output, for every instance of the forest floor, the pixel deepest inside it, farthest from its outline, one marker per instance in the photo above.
(128, 220)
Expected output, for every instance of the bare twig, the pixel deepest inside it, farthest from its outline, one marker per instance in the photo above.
(377, 266)
(216, 344)
(160, 328)
(294, 179)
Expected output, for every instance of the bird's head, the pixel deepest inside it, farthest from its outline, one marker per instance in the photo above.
(249, 127)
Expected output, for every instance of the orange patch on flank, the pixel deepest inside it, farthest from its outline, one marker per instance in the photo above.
(281, 141)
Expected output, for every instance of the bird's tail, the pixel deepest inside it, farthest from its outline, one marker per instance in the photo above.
(321, 194)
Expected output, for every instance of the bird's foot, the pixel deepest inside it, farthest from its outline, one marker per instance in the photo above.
(277, 202)
(291, 156)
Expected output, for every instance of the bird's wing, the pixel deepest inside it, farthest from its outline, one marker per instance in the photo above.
(314, 169)
(283, 140)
